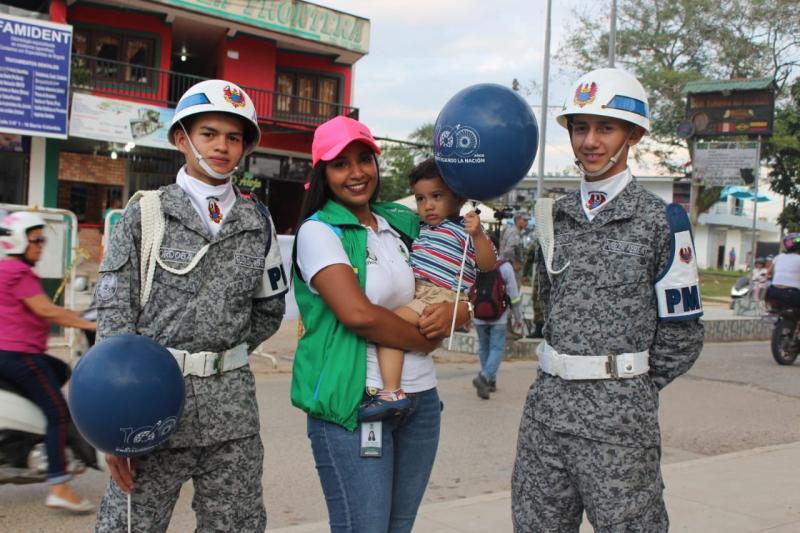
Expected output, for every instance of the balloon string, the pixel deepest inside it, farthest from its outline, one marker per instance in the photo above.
(458, 292)
(129, 500)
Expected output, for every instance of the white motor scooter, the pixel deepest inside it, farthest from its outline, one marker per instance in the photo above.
(23, 458)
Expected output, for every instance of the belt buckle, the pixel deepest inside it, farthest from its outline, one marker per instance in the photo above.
(611, 366)
(194, 364)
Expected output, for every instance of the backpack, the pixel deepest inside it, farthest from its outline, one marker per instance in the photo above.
(488, 294)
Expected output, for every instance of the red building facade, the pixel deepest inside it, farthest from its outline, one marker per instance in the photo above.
(294, 58)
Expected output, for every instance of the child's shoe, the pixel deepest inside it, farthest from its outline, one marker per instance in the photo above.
(383, 405)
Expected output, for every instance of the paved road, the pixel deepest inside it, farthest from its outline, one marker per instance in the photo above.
(735, 398)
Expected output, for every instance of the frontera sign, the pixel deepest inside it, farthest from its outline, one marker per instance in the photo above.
(292, 17)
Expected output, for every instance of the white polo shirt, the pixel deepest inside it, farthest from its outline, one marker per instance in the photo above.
(390, 284)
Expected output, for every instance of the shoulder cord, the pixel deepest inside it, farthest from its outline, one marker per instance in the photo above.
(543, 212)
(153, 227)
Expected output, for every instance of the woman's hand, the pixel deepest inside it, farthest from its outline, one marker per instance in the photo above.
(436, 319)
(120, 473)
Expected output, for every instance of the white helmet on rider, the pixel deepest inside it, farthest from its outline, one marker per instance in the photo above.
(607, 92)
(217, 96)
(14, 231)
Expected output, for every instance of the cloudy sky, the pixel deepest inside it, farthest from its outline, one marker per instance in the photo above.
(422, 52)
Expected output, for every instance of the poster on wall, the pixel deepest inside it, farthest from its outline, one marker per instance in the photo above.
(34, 76)
(120, 121)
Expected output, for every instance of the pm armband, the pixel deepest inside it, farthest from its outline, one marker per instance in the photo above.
(274, 281)
(678, 285)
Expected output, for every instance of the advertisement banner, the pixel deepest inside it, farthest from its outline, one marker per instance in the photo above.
(120, 121)
(722, 163)
(34, 76)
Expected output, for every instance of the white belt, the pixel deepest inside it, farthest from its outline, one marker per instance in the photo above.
(574, 367)
(206, 364)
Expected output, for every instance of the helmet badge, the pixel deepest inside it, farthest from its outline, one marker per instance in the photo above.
(585, 93)
(233, 96)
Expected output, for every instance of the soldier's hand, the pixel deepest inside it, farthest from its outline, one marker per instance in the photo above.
(120, 473)
(472, 223)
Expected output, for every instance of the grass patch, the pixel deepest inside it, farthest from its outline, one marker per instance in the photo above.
(718, 283)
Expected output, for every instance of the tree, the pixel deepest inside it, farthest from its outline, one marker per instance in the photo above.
(782, 151)
(398, 158)
(668, 43)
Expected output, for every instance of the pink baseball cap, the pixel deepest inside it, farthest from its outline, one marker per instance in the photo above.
(333, 136)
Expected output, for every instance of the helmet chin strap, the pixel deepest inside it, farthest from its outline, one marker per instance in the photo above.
(611, 161)
(203, 163)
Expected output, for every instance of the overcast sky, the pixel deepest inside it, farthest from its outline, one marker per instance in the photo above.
(422, 52)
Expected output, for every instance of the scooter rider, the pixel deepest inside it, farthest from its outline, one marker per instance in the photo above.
(27, 314)
(196, 266)
(620, 296)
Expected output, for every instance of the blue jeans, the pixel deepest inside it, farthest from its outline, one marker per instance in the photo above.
(492, 345)
(40, 377)
(377, 494)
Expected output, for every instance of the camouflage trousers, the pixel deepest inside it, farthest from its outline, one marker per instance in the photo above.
(227, 489)
(557, 476)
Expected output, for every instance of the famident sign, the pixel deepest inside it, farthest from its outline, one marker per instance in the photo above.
(34, 76)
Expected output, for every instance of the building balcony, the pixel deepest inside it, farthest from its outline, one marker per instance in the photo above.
(742, 221)
(128, 81)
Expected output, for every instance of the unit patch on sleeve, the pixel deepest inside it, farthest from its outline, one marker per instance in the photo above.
(678, 286)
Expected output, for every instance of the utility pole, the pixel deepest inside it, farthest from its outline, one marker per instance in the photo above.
(612, 35)
(756, 175)
(543, 114)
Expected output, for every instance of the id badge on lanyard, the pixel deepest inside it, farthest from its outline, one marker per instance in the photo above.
(371, 439)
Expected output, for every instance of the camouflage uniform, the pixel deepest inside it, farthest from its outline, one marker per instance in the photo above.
(212, 308)
(595, 444)
(512, 249)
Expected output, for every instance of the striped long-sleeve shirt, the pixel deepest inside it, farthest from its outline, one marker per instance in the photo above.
(436, 255)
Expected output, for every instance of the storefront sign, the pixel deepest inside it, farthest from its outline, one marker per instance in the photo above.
(292, 17)
(120, 121)
(34, 76)
(722, 163)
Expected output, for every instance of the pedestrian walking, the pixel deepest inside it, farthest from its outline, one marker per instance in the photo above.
(619, 290)
(492, 335)
(196, 266)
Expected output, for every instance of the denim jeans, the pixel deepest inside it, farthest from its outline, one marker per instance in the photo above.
(377, 494)
(491, 347)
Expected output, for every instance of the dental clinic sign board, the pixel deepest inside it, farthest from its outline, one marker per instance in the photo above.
(34, 76)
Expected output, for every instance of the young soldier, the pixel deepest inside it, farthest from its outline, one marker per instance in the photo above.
(196, 266)
(619, 291)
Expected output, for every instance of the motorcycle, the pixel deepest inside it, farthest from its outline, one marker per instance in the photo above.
(786, 333)
(23, 458)
(740, 290)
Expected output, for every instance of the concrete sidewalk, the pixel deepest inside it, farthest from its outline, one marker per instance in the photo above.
(749, 491)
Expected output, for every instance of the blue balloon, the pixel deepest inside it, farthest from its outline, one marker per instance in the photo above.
(126, 395)
(484, 141)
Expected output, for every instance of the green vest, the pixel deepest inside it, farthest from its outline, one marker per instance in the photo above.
(330, 364)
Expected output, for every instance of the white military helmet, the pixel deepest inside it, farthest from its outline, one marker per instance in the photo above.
(218, 96)
(14, 231)
(608, 92)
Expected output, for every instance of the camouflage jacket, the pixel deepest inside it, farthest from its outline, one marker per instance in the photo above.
(605, 303)
(511, 246)
(212, 308)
